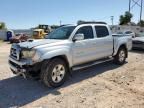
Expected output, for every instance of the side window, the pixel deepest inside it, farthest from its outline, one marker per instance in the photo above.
(87, 31)
(101, 31)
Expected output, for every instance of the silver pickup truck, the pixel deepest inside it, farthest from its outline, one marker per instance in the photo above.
(66, 49)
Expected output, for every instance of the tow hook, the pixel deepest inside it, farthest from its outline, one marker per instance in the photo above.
(23, 74)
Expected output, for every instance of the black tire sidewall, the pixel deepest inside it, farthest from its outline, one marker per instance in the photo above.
(47, 75)
(117, 61)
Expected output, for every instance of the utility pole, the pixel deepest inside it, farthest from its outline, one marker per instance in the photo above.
(141, 10)
(129, 6)
(112, 18)
(134, 3)
(60, 22)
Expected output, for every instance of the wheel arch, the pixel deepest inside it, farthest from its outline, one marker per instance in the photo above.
(64, 58)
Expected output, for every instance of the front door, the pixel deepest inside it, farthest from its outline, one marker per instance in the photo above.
(83, 50)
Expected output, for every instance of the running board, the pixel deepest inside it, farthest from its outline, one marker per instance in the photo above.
(91, 64)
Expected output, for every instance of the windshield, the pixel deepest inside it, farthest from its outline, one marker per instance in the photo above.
(61, 33)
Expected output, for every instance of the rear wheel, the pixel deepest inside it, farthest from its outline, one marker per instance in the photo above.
(54, 72)
(121, 56)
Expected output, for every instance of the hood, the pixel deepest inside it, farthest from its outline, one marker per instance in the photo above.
(139, 39)
(35, 43)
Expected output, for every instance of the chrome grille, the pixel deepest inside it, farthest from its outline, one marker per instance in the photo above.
(15, 52)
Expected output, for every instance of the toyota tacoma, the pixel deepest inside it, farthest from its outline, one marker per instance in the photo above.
(68, 48)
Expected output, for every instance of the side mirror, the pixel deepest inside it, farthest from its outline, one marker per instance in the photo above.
(78, 37)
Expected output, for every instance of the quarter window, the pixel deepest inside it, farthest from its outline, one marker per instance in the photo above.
(87, 31)
(101, 31)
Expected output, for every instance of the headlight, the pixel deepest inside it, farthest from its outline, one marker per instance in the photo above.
(37, 56)
(28, 53)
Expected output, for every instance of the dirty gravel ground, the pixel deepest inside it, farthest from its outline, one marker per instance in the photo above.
(102, 86)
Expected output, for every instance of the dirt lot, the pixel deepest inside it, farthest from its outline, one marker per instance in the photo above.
(101, 86)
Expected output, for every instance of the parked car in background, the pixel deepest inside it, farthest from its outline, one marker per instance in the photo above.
(138, 41)
(120, 33)
(19, 38)
(130, 33)
(126, 33)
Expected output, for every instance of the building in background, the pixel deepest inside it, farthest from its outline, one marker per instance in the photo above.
(120, 28)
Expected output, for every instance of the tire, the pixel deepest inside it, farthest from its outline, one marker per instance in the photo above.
(54, 72)
(121, 56)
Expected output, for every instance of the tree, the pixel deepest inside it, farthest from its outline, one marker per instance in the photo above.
(141, 23)
(122, 20)
(2, 25)
(126, 18)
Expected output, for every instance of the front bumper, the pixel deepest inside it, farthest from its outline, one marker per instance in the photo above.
(19, 67)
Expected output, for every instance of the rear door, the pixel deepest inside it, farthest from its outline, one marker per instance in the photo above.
(103, 42)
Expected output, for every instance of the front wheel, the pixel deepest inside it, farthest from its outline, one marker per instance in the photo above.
(120, 58)
(54, 73)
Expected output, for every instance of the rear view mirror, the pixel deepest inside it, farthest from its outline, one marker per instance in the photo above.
(78, 37)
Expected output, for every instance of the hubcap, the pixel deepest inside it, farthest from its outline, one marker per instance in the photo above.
(58, 73)
(121, 56)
